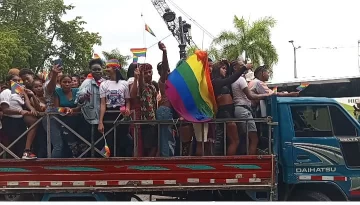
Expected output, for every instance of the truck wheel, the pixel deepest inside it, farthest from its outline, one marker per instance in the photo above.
(309, 196)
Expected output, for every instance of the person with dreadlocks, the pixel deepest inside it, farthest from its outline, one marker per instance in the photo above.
(115, 96)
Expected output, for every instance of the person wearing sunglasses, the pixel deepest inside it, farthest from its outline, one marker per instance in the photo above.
(115, 96)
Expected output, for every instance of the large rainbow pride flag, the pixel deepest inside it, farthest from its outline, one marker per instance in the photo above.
(189, 89)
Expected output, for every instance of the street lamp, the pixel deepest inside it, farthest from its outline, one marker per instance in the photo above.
(169, 15)
(180, 31)
(295, 48)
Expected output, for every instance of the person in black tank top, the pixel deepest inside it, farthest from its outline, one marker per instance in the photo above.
(222, 90)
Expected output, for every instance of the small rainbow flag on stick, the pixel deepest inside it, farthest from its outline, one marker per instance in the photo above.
(148, 29)
(139, 52)
(61, 110)
(135, 59)
(96, 56)
(105, 150)
(16, 88)
(275, 89)
(302, 86)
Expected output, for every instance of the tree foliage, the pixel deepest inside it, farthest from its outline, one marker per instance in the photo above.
(40, 34)
(123, 60)
(11, 50)
(253, 38)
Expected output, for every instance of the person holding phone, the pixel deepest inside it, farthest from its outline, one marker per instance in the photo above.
(49, 91)
(115, 96)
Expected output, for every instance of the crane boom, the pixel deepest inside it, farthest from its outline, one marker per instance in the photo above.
(174, 26)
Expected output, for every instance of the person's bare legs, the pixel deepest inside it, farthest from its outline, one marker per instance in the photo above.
(30, 120)
(233, 136)
(201, 133)
(186, 134)
(254, 140)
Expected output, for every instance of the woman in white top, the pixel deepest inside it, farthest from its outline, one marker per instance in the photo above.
(115, 96)
(13, 120)
(242, 99)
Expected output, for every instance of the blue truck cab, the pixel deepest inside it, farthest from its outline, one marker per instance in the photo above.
(318, 147)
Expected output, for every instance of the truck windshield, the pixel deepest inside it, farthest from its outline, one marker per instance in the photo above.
(311, 121)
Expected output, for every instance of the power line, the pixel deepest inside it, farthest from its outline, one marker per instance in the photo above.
(191, 19)
(329, 48)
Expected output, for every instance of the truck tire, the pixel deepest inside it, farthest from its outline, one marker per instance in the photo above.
(309, 196)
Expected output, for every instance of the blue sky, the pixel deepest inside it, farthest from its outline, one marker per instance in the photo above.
(311, 24)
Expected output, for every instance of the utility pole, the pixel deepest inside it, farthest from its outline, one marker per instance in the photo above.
(182, 44)
(295, 48)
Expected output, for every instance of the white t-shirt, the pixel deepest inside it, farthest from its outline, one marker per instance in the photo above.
(239, 96)
(14, 101)
(115, 93)
(131, 81)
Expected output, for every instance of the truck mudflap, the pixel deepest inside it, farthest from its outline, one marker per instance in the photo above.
(138, 174)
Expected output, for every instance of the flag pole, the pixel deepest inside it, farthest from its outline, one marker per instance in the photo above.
(144, 37)
(160, 41)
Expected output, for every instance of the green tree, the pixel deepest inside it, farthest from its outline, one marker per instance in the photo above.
(45, 35)
(123, 60)
(253, 38)
(12, 54)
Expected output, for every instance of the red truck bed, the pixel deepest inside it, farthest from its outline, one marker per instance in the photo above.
(138, 174)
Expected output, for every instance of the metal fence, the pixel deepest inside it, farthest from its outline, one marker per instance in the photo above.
(176, 123)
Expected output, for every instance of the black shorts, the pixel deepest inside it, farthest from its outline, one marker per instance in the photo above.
(13, 128)
(226, 111)
(149, 135)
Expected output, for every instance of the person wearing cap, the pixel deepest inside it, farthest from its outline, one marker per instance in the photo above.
(114, 96)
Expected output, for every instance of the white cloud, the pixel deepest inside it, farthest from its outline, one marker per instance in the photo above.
(320, 23)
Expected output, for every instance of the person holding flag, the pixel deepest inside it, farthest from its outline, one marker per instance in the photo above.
(115, 96)
(12, 101)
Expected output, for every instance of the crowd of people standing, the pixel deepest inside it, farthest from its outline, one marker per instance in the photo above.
(92, 100)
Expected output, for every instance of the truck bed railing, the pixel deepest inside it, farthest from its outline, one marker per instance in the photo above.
(92, 143)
